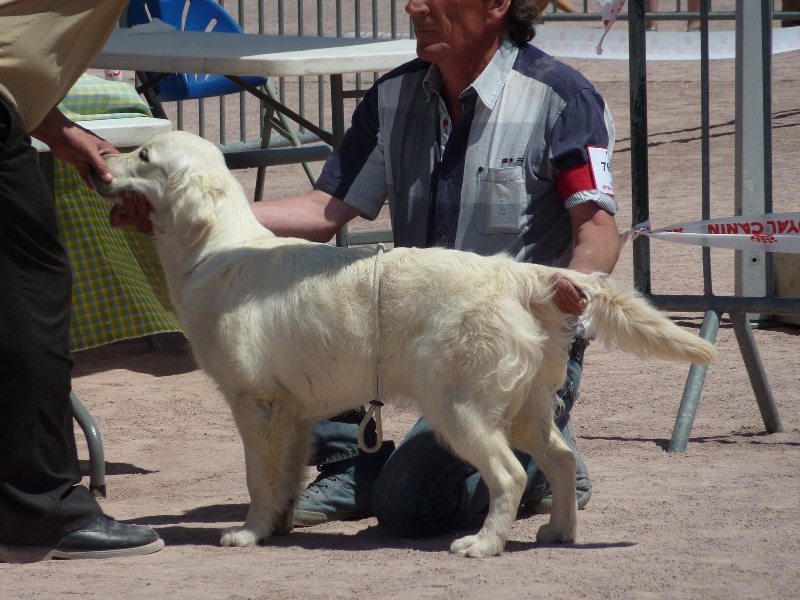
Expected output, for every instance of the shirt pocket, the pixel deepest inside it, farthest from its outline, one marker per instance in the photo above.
(501, 200)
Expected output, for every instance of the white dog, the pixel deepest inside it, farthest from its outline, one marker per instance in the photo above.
(287, 329)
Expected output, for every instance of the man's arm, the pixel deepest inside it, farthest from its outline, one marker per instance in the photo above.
(596, 239)
(315, 216)
(596, 250)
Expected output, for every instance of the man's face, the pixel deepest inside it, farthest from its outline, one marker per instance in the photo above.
(449, 30)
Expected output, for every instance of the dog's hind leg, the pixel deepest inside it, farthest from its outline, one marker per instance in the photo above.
(276, 448)
(536, 434)
(474, 436)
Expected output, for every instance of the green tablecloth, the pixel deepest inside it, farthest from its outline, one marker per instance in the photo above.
(119, 290)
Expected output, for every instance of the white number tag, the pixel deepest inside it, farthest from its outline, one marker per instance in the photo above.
(601, 169)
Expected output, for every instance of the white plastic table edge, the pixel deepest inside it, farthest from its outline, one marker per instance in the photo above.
(245, 54)
(128, 132)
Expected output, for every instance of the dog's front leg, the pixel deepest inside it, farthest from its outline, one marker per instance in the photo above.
(275, 448)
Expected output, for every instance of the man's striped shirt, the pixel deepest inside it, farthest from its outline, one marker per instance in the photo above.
(534, 140)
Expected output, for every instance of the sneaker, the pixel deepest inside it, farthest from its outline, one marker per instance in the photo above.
(342, 489)
(102, 538)
(583, 485)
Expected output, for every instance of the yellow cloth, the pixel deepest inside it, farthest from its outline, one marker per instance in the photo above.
(119, 290)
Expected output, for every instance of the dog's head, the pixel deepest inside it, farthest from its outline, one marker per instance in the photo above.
(183, 177)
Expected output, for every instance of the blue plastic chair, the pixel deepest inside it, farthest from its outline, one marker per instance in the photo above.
(208, 15)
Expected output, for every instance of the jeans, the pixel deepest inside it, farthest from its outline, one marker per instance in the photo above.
(424, 490)
(336, 439)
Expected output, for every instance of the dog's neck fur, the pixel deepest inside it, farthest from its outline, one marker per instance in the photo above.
(187, 241)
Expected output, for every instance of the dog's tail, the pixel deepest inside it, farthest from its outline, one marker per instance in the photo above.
(621, 317)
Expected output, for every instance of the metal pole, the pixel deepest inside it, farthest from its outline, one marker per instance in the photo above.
(692, 389)
(756, 373)
(753, 143)
(97, 461)
(705, 138)
(639, 179)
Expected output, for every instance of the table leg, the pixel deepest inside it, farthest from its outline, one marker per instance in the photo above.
(337, 108)
(97, 462)
(337, 128)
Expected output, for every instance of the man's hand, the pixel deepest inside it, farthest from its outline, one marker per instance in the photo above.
(75, 145)
(568, 298)
(84, 150)
(135, 211)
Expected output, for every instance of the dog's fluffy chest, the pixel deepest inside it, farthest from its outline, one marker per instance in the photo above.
(258, 322)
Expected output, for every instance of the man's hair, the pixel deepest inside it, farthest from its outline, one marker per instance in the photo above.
(521, 19)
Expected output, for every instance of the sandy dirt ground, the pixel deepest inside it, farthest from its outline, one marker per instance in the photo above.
(717, 521)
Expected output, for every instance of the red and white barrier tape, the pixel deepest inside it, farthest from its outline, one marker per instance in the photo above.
(774, 232)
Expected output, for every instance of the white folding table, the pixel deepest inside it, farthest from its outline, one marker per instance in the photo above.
(235, 55)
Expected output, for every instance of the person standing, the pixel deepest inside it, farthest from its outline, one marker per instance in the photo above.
(45, 45)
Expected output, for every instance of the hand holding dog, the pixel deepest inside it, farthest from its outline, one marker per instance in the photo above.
(75, 145)
(568, 298)
(135, 210)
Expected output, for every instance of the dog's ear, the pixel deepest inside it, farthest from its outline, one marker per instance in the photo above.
(194, 197)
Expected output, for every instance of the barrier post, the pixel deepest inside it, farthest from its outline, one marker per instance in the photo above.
(753, 143)
(694, 386)
(639, 163)
(755, 371)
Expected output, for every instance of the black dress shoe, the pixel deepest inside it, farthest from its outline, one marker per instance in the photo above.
(102, 538)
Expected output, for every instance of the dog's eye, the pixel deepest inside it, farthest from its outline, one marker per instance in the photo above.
(143, 156)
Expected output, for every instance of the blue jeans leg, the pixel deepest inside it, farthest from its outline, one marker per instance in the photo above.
(424, 490)
(336, 439)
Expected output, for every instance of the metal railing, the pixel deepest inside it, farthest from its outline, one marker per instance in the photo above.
(752, 37)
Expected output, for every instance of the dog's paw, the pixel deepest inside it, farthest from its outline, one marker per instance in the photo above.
(477, 546)
(239, 536)
(551, 533)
